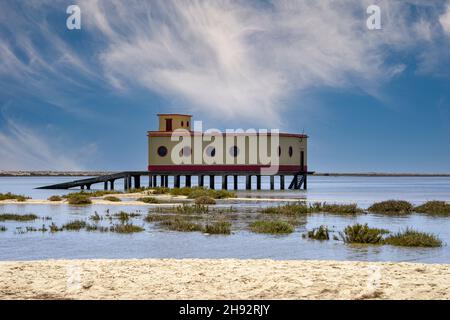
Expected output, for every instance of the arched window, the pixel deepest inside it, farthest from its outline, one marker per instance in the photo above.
(210, 151)
(234, 151)
(187, 123)
(162, 151)
(182, 123)
(290, 152)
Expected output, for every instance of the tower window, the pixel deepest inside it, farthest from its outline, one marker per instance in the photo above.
(162, 151)
(290, 152)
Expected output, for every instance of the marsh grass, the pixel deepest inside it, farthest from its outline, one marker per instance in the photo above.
(96, 217)
(192, 209)
(181, 224)
(359, 233)
(413, 238)
(126, 228)
(11, 196)
(91, 194)
(434, 208)
(205, 200)
(112, 199)
(160, 190)
(149, 200)
(351, 208)
(125, 216)
(54, 228)
(152, 217)
(96, 228)
(79, 200)
(75, 225)
(218, 227)
(290, 209)
(320, 233)
(297, 209)
(55, 198)
(271, 226)
(17, 217)
(391, 207)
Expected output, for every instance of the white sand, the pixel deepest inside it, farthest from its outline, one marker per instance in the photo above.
(222, 279)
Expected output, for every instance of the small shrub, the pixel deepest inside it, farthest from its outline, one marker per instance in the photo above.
(160, 190)
(359, 233)
(55, 198)
(335, 208)
(3, 229)
(79, 200)
(412, 238)
(126, 228)
(95, 217)
(273, 227)
(179, 224)
(434, 208)
(112, 199)
(205, 200)
(392, 207)
(11, 196)
(192, 209)
(320, 233)
(148, 200)
(17, 217)
(219, 227)
(75, 225)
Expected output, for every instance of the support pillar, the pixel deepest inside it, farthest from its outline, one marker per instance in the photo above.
(224, 182)
(150, 181)
(305, 183)
(88, 186)
(137, 182)
(111, 184)
(155, 181)
(201, 181)
(272, 182)
(105, 185)
(188, 181)
(211, 182)
(248, 182)
(281, 182)
(235, 182)
(177, 181)
(258, 182)
(166, 181)
(161, 178)
(82, 187)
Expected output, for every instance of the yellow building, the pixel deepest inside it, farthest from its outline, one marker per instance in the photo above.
(176, 150)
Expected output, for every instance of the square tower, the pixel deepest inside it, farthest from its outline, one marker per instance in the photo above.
(171, 121)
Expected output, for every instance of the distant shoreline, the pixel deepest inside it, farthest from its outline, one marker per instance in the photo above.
(321, 174)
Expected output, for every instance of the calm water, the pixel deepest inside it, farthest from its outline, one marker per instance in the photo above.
(157, 243)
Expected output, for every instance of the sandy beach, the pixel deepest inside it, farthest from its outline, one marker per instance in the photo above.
(221, 279)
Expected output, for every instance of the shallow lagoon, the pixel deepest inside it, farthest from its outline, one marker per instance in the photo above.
(157, 243)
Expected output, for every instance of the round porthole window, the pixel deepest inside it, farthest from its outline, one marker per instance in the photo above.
(290, 152)
(186, 151)
(162, 151)
(234, 151)
(210, 151)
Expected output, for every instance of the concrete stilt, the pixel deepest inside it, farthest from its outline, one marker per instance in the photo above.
(188, 181)
(248, 182)
(224, 182)
(137, 182)
(161, 178)
(305, 183)
(105, 185)
(281, 182)
(235, 182)
(155, 181)
(201, 181)
(82, 187)
(211, 182)
(166, 181)
(272, 183)
(258, 182)
(150, 181)
(177, 182)
(111, 184)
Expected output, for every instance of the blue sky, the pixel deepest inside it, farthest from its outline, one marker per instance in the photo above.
(83, 99)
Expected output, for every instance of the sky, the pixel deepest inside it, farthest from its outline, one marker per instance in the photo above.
(370, 100)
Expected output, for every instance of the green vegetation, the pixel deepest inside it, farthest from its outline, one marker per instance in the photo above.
(434, 208)
(79, 200)
(272, 227)
(112, 199)
(96, 217)
(17, 217)
(95, 227)
(160, 190)
(295, 209)
(125, 216)
(412, 238)
(181, 224)
(54, 228)
(75, 225)
(148, 200)
(192, 209)
(205, 200)
(195, 192)
(55, 198)
(219, 227)
(392, 207)
(126, 228)
(320, 233)
(11, 196)
(3, 229)
(151, 217)
(359, 233)
(291, 209)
